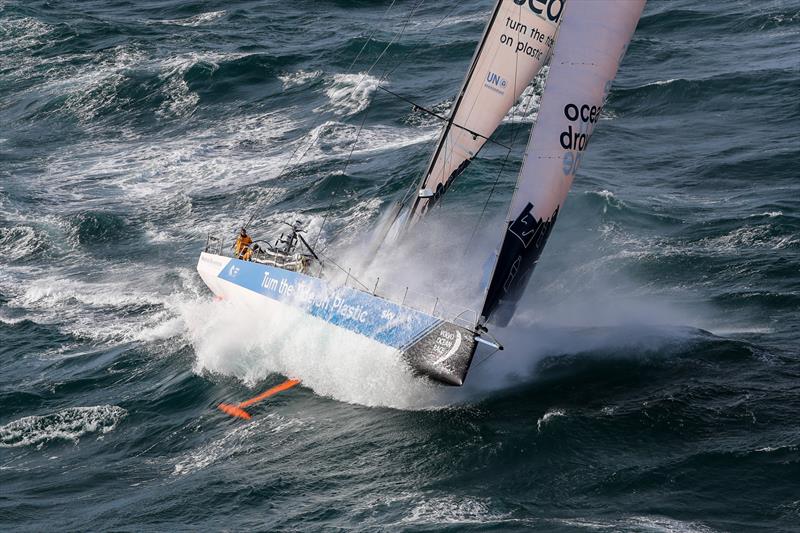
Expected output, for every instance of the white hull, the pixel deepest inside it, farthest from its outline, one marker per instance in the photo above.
(342, 315)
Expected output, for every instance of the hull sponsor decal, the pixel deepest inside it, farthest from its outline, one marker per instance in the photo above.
(384, 321)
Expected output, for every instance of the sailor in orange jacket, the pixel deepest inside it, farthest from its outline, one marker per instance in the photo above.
(249, 251)
(243, 241)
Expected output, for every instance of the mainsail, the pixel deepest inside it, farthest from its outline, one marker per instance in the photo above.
(515, 45)
(593, 38)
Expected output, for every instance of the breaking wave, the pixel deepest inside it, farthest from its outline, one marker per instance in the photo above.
(196, 20)
(229, 343)
(22, 243)
(69, 424)
(636, 524)
(350, 93)
(549, 415)
(452, 510)
(301, 77)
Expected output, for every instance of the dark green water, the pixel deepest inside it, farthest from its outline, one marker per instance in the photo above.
(651, 380)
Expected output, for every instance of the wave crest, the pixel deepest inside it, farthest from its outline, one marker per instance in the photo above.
(351, 93)
(68, 424)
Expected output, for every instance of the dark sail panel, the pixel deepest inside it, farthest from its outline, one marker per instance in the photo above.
(522, 245)
(592, 41)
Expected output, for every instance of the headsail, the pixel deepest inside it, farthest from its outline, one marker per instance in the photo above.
(593, 38)
(515, 45)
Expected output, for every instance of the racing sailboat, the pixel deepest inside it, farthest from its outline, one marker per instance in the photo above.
(288, 279)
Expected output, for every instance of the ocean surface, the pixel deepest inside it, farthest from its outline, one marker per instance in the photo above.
(651, 381)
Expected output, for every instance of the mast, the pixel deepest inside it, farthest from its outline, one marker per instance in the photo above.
(593, 39)
(516, 43)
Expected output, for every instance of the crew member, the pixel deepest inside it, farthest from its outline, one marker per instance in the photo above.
(249, 251)
(243, 241)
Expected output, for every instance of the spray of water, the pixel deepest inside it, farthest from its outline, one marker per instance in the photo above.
(237, 339)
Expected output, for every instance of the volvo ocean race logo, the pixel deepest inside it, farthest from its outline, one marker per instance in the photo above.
(233, 271)
(496, 82)
(447, 339)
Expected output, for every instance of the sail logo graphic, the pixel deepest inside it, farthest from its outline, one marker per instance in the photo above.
(587, 118)
(233, 271)
(575, 140)
(551, 9)
(496, 82)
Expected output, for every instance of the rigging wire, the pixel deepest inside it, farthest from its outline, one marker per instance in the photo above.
(389, 71)
(445, 137)
(479, 363)
(369, 39)
(514, 135)
(344, 170)
(425, 110)
(260, 203)
(397, 36)
(348, 272)
(410, 193)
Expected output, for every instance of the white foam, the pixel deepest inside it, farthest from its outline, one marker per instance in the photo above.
(452, 510)
(272, 426)
(11, 320)
(181, 101)
(350, 93)
(100, 310)
(301, 77)
(663, 524)
(606, 194)
(661, 82)
(549, 415)
(336, 138)
(196, 20)
(213, 451)
(19, 241)
(527, 107)
(68, 424)
(425, 25)
(770, 449)
(20, 33)
(232, 340)
(58, 292)
(169, 172)
(90, 88)
(611, 200)
(749, 236)
(93, 87)
(639, 524)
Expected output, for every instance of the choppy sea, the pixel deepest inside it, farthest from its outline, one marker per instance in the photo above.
(652, 377)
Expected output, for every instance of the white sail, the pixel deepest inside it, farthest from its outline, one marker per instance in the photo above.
(516, 44)
(593, 38)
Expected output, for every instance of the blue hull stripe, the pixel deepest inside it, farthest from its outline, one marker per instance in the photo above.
(384, 321)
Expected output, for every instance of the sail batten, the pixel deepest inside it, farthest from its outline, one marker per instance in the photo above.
(516, 43)
(592, 41)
